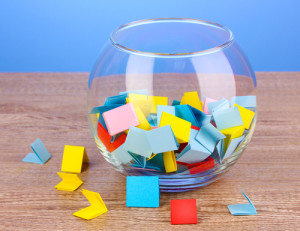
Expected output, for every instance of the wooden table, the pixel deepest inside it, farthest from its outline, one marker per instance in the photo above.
(52, 106)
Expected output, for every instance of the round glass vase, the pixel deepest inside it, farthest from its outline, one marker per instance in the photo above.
(168, 57)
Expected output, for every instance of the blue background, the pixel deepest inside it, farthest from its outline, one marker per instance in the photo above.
(66, 35)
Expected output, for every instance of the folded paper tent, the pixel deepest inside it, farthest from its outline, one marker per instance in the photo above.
(188, 135)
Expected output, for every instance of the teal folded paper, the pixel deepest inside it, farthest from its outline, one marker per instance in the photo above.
(40, 155)
(142, 191)
(228, 118)
(116, 99)
(139, 161)
(208, 136)
(243, 209)
(201, 117)
(161, 108)
(175, 102)
(185, 112)
(248, 101)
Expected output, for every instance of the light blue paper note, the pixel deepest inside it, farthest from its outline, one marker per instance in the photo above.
(40, 152)
(208, 136)
(122, 155)
(248, 101)
(194, 152)
(243, 209)
(137, 142)
(142, 191)
(201, 117)
(233, 146)
(140, 92)
(175, 102)
(185, 112)
(218, 105)
(162, 139)
(161, 108)
(228, 118)
(116, 99)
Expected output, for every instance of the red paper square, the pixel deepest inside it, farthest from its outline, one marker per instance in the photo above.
(183, 212)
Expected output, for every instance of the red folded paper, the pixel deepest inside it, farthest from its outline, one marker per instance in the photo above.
(202, 166)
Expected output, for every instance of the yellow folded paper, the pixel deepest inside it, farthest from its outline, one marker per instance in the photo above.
(143, 122)
(181, 128)
(96, 208)
(192, 99)
(156, 100)
(141, 101)
(246, 114)
(170, 161)
(232, 133)
(73, 158)
(70, 182)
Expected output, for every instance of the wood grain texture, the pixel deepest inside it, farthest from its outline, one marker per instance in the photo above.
(52, 106)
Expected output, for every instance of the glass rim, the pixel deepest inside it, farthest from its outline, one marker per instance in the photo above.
(187, 20)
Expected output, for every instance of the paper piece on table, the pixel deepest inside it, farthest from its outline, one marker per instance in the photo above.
(201, 117)
(175, 102)
(194, 152)
(248, 101)
(162, 139)
(157, 100)
(246, 114)
(185, 112)
(180, 127)
(232, 133)
(140, 92)
(192, 99)
(243, 209)
(137, 142)
(218, 105)
(122, 155)
(139, 160)
(73, 158)
(70, 182)
(170, 161)
(206, 101)
(100, 110)
(232, 147)
(40, 155)
(208, 136)
(184, 211)
(116, 99)
(120, 119)
(141, 101)
(168, 109)
(142, 191)
(96, 208)
(228, 118)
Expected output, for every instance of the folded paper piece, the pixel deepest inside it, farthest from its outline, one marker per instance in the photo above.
(40, 155)
(232, 133)
(184, 212)
(202, 166)
(139, 161)
(246, 114)
(185, 112)
(120, 119)
(175, 102)
(152, 120)
(170, 161)
(142, 191)
(70, 182)
(143, 122)
(180, 127)
(194, 152)
(232, 147)
(141, 101)
(157, 100)
(156, 162)
(205, 107)
(218, 105)
(73, 158)
(208, 136)
(201, 117)
(192, 99)
(248, 101)
(116, 99)
(228, 118)
(122, 155)
(141, 92)
(96, 208)
(243, 209)
(161, 108)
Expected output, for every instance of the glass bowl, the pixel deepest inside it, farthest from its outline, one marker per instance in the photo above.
(204, 74)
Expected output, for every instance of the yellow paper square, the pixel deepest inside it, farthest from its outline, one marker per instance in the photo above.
(141, 101)
(143, 122)
(232, 133)
(73, 158)
(192, 99)
(170, 161)
(70, 182)
(156, 100)
(246, 114)
(181, 128)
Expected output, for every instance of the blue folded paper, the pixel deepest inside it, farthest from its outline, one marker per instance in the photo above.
(243, 209)
(116, 99)
(218, 105)
(122, 155)
(248, 101)
(40, 155)
(227, 118)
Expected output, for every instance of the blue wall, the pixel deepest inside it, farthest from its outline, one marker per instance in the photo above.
(66, 35)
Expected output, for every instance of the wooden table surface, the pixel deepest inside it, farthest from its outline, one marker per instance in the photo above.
(52, 106)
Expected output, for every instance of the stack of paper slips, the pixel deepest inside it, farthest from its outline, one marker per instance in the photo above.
(146, 132)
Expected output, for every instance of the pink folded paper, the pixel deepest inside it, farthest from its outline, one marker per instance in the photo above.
(205, 108)
(120, 119)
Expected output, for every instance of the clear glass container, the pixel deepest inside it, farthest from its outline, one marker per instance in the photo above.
(168, 57)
